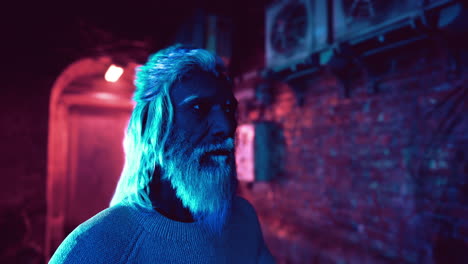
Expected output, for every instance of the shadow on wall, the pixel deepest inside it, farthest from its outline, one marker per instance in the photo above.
(448, 247)
(438, 163)
(449, 250)
(16, 245)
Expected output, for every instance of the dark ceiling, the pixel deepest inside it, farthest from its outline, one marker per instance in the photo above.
(59, 32)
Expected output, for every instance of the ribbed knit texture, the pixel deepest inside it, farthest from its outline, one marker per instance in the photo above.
(125, 234)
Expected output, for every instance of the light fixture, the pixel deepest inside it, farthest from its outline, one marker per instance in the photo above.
(113, 73)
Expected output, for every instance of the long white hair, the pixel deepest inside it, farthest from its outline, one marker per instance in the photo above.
(151, 119)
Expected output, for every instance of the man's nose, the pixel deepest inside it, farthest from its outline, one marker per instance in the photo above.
(223, 123)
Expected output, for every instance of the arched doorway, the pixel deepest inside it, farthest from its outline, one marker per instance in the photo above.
(87, 121)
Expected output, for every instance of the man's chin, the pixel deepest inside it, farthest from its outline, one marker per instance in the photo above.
(206, 189)
(205, 184)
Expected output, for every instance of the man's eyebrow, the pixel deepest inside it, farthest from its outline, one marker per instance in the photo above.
(188, 99)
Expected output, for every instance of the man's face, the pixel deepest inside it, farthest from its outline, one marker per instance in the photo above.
(204, 110)
(199, 156)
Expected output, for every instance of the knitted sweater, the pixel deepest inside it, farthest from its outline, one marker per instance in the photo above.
(126, 234)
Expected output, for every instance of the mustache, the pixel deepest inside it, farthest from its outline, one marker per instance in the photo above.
(178, 146)
(225, 146)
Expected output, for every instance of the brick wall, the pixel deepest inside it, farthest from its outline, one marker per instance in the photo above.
(372, 178)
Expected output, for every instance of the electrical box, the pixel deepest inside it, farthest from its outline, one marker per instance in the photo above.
(259, 151)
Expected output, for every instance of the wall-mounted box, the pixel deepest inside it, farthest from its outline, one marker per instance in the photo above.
(259, 151)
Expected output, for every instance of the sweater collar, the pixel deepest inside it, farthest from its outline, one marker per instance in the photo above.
(159, 225)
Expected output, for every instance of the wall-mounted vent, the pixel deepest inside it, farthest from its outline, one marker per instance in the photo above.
(294, 30)
(360, 19)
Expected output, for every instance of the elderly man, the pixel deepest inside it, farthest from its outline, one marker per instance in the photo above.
(175, 201)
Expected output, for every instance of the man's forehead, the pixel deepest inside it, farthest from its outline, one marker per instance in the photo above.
(201, 85)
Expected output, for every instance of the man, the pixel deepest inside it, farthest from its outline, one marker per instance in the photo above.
(175, 201)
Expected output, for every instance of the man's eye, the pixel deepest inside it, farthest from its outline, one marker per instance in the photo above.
(200, 107)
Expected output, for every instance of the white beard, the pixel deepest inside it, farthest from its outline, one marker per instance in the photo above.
(205, 184)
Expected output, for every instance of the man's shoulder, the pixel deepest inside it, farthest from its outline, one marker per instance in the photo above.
(109, 232)
(108, 220)
(242, 204)
(246, 216)
(244, 209)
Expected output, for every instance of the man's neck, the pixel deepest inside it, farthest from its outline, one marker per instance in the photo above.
(166, 202)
